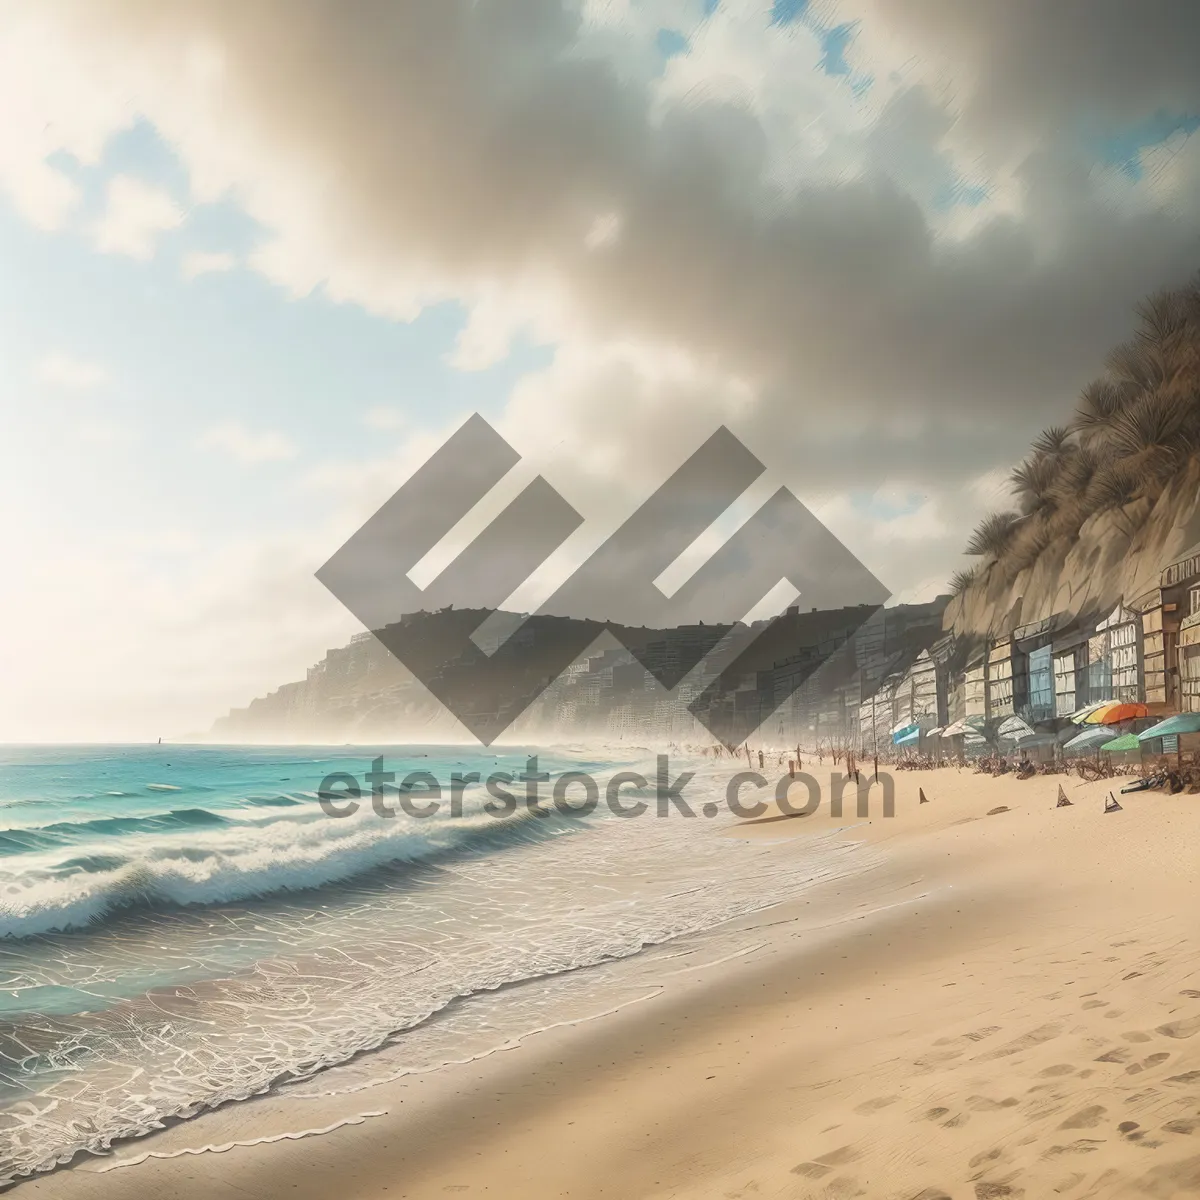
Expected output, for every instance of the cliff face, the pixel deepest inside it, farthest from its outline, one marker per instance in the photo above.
(1118, 556)
(356, 693)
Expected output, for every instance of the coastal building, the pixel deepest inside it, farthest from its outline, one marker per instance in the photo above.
(1189, 654)
(1001, 678)
(975, 687)
(1114, 657)
(1165, 610)
(1068, 665)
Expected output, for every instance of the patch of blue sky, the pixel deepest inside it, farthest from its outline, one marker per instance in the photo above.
(184, 355)
(1123, 148)
(955, 193)
(835, 39)
(877, 507)
(670, 42)
(785, 11)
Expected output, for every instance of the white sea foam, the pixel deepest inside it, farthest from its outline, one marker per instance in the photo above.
(236, 861)
(221, 1004)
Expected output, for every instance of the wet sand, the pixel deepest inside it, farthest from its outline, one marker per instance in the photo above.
(1008, 1006)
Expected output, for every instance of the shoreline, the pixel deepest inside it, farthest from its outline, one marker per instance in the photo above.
(773, 1069)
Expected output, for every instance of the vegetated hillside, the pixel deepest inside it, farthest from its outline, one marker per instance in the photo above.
(1103, 504)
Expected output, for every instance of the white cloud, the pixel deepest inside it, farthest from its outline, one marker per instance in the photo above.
(70, 373)
(55, 95)
(136, 214)
(206, 262)
(384, 418)
(233, 439)
(603, 231)
(104, 433)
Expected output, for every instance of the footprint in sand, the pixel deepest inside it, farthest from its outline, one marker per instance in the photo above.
(1035, 1037)
(1133, 1132)
(1187, 1125)
(811, 1170)
(1057, 1069)
(985, 1156)
(1147, 1063)
(823, 1164)
(984, 1104)
(874, 1105)
(977, 1035)
(984, 1190)
(1085, 1118)
(1186, 1028)
(1079, 1146)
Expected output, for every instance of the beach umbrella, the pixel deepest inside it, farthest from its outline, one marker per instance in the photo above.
(1115, 712)
(1014, 729)
(1183, 723)
(1127, 741)
(1080, 714)
(966, 726)
(1089, 739)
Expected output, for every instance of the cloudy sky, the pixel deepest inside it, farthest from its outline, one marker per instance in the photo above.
(258, 260)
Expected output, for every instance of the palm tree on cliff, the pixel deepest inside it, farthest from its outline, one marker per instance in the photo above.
(1135, 428)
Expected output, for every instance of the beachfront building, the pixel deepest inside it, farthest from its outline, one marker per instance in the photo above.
(1165, 609)
(877, 716)
(1001, 678)
(975, 687)
(1189, 654)
(1068, 659)
(920, 694)
(1114, 657)
(1043, 668)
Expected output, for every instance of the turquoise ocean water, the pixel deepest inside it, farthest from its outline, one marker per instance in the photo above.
(183, 926)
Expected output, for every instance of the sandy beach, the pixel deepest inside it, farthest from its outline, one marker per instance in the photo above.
(1007, 1005)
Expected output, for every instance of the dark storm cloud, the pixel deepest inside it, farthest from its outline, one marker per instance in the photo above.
(472, 142)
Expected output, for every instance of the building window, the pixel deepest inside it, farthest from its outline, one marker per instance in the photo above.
(1194, 597)
(1064, 685)
(1189, 678)
(1041, 685)
(1099, 668)
(1124, 662)
(975, 693)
